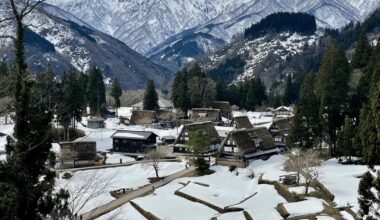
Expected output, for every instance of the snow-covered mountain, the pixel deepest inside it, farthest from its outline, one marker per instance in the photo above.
(63, 44)
(267, 57)
(145, 25)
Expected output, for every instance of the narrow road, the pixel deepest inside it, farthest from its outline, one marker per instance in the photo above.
(101, 210)
(113, 165)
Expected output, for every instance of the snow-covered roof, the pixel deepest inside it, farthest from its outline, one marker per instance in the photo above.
(139, 135)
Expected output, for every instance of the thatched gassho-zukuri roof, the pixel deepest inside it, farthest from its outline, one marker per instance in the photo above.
(224, 108)
(242, 140)
(264, 135)
(164, 115)
(242, 122)
(205, 114)
(143, 117)
(282, 124)
(207, 127)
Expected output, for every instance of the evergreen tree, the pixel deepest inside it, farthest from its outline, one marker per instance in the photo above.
(305, 130)
(48, 89)
(375, 108)
(116, 92)
(199, 143)
(332, 88)
(180, 97)
(96, 90)
(369, 201)
(83, 84)
(277, 101)
(233, 95)
(3, 68)
(150, 97)
(220, 88)
(260, 91)
(288, 94)
(369, 76)
(366, 197)
(25, 182)
(362, 53)
(201, 91)
(251, 98)
(345, 143)
(366, 141)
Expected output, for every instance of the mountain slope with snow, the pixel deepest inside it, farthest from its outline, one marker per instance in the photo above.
(61, 44)
(144, 24)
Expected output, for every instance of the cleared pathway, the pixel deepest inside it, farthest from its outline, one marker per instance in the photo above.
(101, 210)
(113, 165)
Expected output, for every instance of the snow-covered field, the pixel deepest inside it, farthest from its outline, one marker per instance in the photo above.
(96, 185)
(236, 189)
(342, 181)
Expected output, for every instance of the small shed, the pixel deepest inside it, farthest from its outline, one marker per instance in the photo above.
(206, 114)
(224, 107)
(143, 117)
(134, 141)
(95, 122)
(77, 153)
(241, 122)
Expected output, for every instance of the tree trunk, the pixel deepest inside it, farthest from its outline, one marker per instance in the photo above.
(156, 170)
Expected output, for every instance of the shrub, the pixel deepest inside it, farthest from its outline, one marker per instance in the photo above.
(67, 176)
(232, 168)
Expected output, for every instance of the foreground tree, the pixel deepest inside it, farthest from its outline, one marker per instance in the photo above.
(150, 97)
(368, 198)
(199, 144)
(26, 184)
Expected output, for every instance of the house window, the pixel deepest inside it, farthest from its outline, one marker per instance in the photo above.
(124, 141)
(116, 140)
(228, 149)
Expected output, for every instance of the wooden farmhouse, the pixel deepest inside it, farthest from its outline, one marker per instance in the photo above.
(181, 143)
(224, 107)
(95, 122)
(133, 141)
(241, 146)
(279, 130)
(78, 154)
(206, 115)
(241, 122)
(143, 117)
(282, 112)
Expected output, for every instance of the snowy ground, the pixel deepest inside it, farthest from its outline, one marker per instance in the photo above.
(96, 185)
(224, 188)
(342, 181)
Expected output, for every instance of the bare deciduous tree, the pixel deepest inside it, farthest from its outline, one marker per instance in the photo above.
(305, 163)
(156, 157)
(86, 192)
